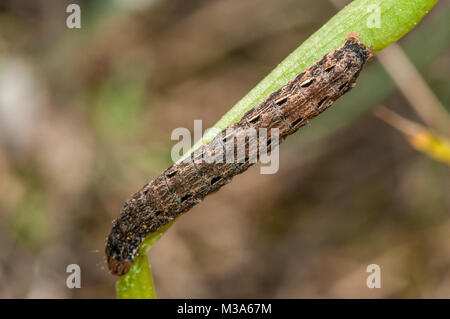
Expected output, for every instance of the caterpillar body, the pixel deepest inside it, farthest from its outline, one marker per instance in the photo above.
(186, 183)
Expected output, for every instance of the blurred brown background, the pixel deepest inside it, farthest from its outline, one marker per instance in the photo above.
(85, 121)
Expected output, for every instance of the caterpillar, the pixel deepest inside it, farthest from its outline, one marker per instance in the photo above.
(188, 182)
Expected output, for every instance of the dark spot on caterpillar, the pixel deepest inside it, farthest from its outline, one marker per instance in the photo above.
(172, 174)
(195, 181)
(297, 121)
(215, 179)
(281, 101)
(307, 83)
(321, 62)
(342, 86)
(198, 157)
(255, 118)
(321, 101)
(185, 197)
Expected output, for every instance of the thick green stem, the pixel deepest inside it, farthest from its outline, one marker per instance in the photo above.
(396, 18)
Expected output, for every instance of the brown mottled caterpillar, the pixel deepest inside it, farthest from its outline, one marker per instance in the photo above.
(186, 183)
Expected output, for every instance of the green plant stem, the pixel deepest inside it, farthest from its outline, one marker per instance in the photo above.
(397, 18)
(138, 282)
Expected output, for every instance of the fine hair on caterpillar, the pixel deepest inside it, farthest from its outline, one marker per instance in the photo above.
(189, 181)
